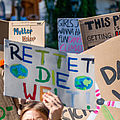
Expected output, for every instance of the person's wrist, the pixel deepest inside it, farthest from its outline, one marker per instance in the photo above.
(55, 119)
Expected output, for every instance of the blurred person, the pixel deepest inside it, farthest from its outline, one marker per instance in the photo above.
(50, 109)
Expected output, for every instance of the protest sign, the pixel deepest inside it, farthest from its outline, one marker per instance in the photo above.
(69, 36)
(95, 30)
(8, 109)
(107, 74)
(32, 70)
(3, 32)
(31, 32)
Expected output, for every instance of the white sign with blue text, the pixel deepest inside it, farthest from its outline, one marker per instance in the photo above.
(69, 36)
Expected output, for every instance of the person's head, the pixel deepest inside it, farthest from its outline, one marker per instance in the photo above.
(34, 111)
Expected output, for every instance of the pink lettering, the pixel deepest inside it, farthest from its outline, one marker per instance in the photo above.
(74, 39)
(63, 47)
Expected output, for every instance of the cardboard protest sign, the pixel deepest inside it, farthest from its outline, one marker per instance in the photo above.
(69, 36)
(32, 70)
(31, 32)
(95, 30)
(8, 109)
(107, 74)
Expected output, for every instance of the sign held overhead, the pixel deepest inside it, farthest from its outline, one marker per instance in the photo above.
(33, 70)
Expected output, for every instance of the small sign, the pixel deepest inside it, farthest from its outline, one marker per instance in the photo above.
(69, 36)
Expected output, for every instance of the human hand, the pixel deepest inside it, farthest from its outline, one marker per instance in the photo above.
(55, 106)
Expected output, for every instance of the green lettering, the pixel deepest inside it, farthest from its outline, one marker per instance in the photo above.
(42, 58)
(59, 60)
(53, 77)
(3, 116)
(40, 75)
(55, 91)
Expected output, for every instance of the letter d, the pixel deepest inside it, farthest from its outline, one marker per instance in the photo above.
(40, 75)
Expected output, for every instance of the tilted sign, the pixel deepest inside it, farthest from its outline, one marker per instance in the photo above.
(31, 32)
(95, 30)
(107, 74)
(69, 36)
(31, 70)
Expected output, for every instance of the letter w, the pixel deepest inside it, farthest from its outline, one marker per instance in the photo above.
(29, 95)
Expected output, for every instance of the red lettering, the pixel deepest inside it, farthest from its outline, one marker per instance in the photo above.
(116, 33)
(29, 95)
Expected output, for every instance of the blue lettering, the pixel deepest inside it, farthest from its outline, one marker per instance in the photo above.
(24, 54)
(18, 31)
(24, 30)
(73, 65)
(15, 30)
(88, 62)
(61, 80)
(72, 97)
(28, 31)
(31, 31)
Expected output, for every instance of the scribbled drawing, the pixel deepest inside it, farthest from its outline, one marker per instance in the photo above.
(83, 82)
(10, 108)
(19, 71)
(3, 115)
(101, 104)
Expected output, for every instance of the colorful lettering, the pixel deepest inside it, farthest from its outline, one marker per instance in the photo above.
(18, 31)
(43, 54)
(40, 75)
(61, 80)
(41, 91)
(73, 65)
(27, 55)
(88, 62)
(59, 59)
(29, 95)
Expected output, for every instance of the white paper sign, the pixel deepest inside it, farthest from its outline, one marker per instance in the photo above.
(69, 36)
(32, 70)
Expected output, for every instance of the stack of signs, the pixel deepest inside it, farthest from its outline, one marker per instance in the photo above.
(32, 70)
(69, 36)
(107, 74)
(31, 32)
(95, 30)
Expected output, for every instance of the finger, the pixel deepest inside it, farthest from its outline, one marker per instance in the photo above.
(27, 100)
(55, 96)
(49, 99)
(48, 104)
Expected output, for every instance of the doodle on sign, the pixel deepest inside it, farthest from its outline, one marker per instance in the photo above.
(3, 111)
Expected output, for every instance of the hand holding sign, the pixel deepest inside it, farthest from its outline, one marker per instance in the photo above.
(53, 103)
(33, 70)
